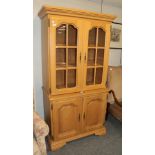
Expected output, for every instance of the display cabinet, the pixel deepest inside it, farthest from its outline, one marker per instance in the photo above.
(75, 49)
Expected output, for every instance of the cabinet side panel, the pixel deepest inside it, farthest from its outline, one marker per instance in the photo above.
(47, 111)
(45, 54)
(106, 55)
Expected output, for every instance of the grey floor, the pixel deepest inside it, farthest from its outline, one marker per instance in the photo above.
(110, 144)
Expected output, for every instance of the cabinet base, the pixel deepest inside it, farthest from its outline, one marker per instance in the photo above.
(55, 145)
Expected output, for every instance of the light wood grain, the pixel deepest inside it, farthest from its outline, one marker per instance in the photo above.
(45, 54)
(55, 145)
(74, 13)
(79, 111)
(58, 21)
(94, 111)
(67, 117)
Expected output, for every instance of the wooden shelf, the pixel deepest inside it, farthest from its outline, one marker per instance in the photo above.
(61, 65)
(94, 47)
(100, 47)
(99, 66)
(63, 46)
(95, 66)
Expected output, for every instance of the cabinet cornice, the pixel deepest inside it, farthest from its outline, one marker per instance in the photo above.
(74, 13)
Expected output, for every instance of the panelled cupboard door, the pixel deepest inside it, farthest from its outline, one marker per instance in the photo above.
(65, 54)
(96, 40)
(66, 118)
(94, 111)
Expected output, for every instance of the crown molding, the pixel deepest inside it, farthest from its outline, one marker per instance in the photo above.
(74, 13)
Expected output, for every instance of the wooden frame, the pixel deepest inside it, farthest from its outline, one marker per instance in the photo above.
(58, 21)
(79, 111)
(81, 51)
(106, 27)
(46, 10)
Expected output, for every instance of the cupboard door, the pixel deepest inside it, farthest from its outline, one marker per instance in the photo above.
(94, 111)
(65, 52)
(66, 118)
(96, 41)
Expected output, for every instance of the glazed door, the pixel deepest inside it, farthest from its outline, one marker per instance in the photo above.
(65, 54)
(97, 40)
(66, 118)
(94, 111)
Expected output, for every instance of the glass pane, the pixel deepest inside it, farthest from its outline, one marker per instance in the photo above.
(60, 79)
(60, 57)
(91, 57)
(71, 78)
(61, 35)
(92, 37)
(90, 76)
(72, 35)
(101, 37)
(72, 53)
(98, 79)
(100, 56)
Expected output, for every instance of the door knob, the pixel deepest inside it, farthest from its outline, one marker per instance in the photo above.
(85, 57)
(80, 57)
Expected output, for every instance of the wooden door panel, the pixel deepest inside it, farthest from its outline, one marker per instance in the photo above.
(94, 110)
(65, 54)
(96, 40)
(66, 118)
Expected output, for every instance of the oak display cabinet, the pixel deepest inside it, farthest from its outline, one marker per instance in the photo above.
(75, 49)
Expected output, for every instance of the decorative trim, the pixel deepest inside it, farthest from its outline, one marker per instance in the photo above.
(55, 145)
(117, 23)
(74, 13)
